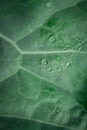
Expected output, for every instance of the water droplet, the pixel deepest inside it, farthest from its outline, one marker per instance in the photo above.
(52, 24)
(80, 48)
(72, 56)
(59, 69)
(44, 61)
(48, 92)
(52, 38)
(68, 64)
(67, 46)
(58, 58)
(61, 40)
(79, 40)
(73, 48)
(49, 69)
(57, 110)
(48, 4)
(76, 39)
(44, 32)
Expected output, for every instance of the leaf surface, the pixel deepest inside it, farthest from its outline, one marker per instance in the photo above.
(43, 65)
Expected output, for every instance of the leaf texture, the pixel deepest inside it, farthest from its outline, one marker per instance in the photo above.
(43, 65)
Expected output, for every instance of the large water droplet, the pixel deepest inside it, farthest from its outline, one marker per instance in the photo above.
(48, 4)
(68, 64)
(58, 58)
(59, 69)
(44, 61)
(52, 38)
(49, 69)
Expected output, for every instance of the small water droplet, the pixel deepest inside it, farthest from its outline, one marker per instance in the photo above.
(48, 4)
(67, 46)
(79, 40)
(44, 61)
(49, 69)
(58, 58)
(73, 48)
(57, 110)
(52, 38)
(59, 69)
(61, 40)
(76, 39)
(72, 56)
(80, 48)
(44, 32)
(68, 64)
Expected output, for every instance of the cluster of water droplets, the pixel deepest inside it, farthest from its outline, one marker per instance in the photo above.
(58, 67)
(77, 44)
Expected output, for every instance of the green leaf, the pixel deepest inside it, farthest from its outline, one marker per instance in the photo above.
(43, 65)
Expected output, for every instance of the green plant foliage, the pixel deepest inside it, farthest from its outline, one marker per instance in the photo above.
(43, 65)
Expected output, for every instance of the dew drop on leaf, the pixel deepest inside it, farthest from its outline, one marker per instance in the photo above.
(79, 48)
(68, 64)
(73, 48)
(72, 56)
(57, 110)
(58, 58)
(59, 69)
(67, 46)
(61, 40)
(49, 69)
(52, 38)
(48, 4)
(44, 61)
(79, 40)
